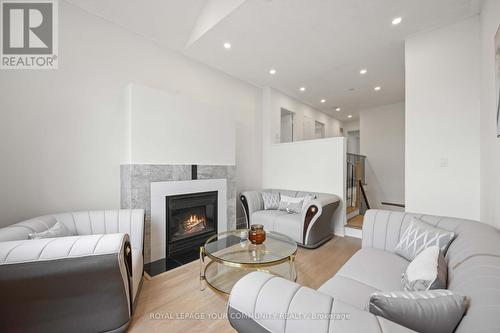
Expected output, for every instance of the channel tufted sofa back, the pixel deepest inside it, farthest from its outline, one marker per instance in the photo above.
(124, 221)
(473, 261)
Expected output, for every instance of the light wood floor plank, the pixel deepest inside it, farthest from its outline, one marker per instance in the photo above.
(177, 292)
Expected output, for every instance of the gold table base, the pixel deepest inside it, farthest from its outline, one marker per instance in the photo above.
(220, 275)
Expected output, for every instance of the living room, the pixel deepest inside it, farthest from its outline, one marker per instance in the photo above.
(250, 166)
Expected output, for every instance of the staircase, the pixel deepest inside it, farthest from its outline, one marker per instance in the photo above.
(357, 202)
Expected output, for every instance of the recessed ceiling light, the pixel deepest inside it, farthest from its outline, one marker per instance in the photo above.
(302, 88)
(363, 71)
(323, 101)
(227, 45)
(349, 116)
(337, 109)
(377, 88)
(397, 20)
(272, 71)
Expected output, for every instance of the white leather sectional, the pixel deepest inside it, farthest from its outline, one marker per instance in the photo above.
(260, 302)
(82, 283)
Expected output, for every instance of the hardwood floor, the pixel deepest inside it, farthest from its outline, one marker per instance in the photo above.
(173, 302)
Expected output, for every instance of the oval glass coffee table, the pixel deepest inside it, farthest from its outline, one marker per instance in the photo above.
(232, 256)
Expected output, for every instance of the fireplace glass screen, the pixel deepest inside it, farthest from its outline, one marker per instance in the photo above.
(190, 219)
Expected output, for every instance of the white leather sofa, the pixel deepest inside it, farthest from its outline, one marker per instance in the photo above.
(82, 283)
(310, 229)
(272, 304)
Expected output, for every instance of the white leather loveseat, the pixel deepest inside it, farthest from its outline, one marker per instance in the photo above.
(82, 283)
(260, 302)
(310, 229)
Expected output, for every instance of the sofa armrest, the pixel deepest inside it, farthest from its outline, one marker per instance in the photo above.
(315, 206)
(135, 227)
(260, 302)
(318, 215)
(78, 283)
(251, 202)
(325, 200)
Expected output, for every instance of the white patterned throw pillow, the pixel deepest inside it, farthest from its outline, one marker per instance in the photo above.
(271, 200)
(291, 205)
(420, 235)
(426, 272)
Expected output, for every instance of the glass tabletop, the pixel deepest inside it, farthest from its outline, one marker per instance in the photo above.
(234, 246)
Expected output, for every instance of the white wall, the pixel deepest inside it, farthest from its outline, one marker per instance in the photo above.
(303, 112)
(490, 144)
(170, 129)
(315, 165)
(353, 139)
(382, 132)
(352, 125)
(442, 121)
(63, 131)
(353, 142)
(312, 165)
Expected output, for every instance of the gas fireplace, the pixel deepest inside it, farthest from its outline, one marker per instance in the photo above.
(190, 219)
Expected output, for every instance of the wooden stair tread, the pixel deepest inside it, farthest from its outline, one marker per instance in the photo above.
(351, 209)
(355, 222)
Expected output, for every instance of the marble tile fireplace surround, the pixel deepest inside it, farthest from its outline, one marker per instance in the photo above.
(148, 186)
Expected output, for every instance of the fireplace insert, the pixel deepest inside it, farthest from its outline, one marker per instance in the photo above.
(190, 219)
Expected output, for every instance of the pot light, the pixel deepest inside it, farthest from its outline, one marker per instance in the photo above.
(397, 20)
(272, 71)
(302, 89)
(337, 109)
(377, 88)
(227, 45)
(323, 101)
(363, 71)
(349, 116)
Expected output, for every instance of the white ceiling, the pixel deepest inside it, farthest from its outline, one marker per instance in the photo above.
(319, 44)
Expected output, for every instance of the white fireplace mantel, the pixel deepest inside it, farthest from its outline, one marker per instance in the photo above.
(160, 190)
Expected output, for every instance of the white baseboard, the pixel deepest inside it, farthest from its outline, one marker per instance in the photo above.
(352, 232)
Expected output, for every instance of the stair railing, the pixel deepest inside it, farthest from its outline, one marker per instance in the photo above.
(364, 205)
(355, 179)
